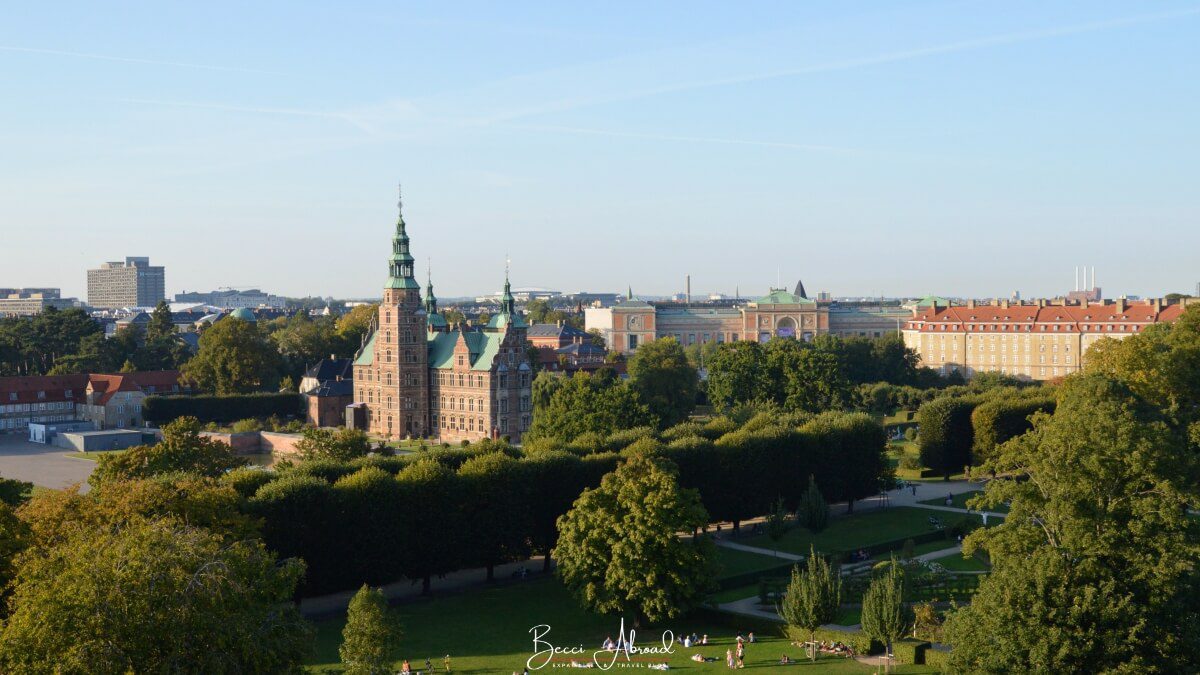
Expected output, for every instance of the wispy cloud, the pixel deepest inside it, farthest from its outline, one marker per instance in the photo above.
(130, 59)
(682, 139)
(1000, 40)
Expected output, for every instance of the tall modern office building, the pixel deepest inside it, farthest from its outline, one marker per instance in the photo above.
(133, 283)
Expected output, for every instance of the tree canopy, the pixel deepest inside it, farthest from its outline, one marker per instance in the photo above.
(369, 639)
(182, 449)
(155, 595)
(585, 403)
(1094, 567)
(664, 380)
(619, 550)
(234, 358)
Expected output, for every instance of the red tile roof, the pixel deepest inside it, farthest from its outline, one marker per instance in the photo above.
(54, 388)
(1090, 318)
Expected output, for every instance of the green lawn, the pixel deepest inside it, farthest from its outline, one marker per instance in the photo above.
(956, 563)
(733, 562)
(919, 549)
(846, 533)
(960, 501)
(93, 455)
(747, 591)
(487, 631)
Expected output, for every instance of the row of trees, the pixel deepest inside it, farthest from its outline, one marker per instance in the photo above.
(375, 519)
(60, 342)
(812, 376)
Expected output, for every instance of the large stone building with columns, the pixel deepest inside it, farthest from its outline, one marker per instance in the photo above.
(779, 313)
(419, 377)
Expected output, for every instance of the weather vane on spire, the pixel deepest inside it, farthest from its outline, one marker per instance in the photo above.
(399, 197)
(507, 264)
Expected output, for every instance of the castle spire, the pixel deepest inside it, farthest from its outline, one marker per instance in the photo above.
(430, 300)
(400, 264)
(507, 306)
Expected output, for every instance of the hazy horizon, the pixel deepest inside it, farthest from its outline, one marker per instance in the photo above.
(957, 148)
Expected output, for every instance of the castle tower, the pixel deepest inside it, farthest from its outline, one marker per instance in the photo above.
(401, 358)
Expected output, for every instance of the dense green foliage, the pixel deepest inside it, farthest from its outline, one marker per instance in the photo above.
(182, 449)
(222, 409)
(370, 636)
(664, 380)
(340, 444)
(885, 615)
(815, 376)
(813, 597)
(1094, 569)
(585, 403)
(946, 433)
(235, 357)
(999, 419)
(619, 549)
(152, 596)
(353, 522)
(812, 512)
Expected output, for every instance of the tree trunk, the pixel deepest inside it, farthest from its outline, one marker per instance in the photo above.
(546, 563)
(491, 572)
(849, 506)
(425, 585)
(737, 527)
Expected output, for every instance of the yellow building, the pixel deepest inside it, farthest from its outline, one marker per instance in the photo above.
(1039, 341)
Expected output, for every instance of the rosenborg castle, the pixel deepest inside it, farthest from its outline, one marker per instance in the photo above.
(417, 376)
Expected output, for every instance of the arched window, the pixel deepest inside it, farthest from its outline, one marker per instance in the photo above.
(387, 379)
(387, 356)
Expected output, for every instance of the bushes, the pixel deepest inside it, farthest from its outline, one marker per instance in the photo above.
(938, 658)
(998, 420)
(856, 640)
(946, 433)
(910, 651)
(222, 409)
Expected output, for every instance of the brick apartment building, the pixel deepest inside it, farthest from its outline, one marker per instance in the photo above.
(110, 401)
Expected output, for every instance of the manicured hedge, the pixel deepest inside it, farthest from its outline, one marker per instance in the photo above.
(999, 420)
(746, 578)
(938, 658)
(946, 433)
(450, 509)
(222, 409)
(910, 651)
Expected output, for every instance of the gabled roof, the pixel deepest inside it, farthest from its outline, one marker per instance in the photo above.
(330, 369)
(554, 330)
(482, 348)
(366, 355)
(334, 388)
(502, 319)
(581, 349)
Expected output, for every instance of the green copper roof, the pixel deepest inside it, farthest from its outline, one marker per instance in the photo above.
(482, 348)
(929, 300)
(779, 296)
(400, 263)
(503, 319)
(436, 320)
(367, 355)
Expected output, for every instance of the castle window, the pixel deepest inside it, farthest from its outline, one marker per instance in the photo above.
(387, 356)
(471, 404)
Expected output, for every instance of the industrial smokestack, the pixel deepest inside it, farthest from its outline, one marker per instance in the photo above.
(689, 289)
(1093, 278)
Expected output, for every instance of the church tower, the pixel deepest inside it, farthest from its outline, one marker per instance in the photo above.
(401, 358)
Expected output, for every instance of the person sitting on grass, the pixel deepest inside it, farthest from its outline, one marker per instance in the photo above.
(784, 660)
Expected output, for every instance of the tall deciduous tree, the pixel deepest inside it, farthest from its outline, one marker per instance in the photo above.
(661, 375)
(946, 433)
(369, 639)
(153, 596)
(234, 358)
(1094, 569)
(619, 548)
(813, 596)
(885, 615)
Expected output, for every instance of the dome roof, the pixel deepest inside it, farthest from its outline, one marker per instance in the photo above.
(243, 314)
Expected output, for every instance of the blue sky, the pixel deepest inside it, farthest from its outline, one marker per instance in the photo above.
(962, 148)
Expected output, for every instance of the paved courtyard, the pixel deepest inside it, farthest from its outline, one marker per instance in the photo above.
(43, 465)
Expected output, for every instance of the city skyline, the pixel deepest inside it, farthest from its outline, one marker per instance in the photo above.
(958, 148)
